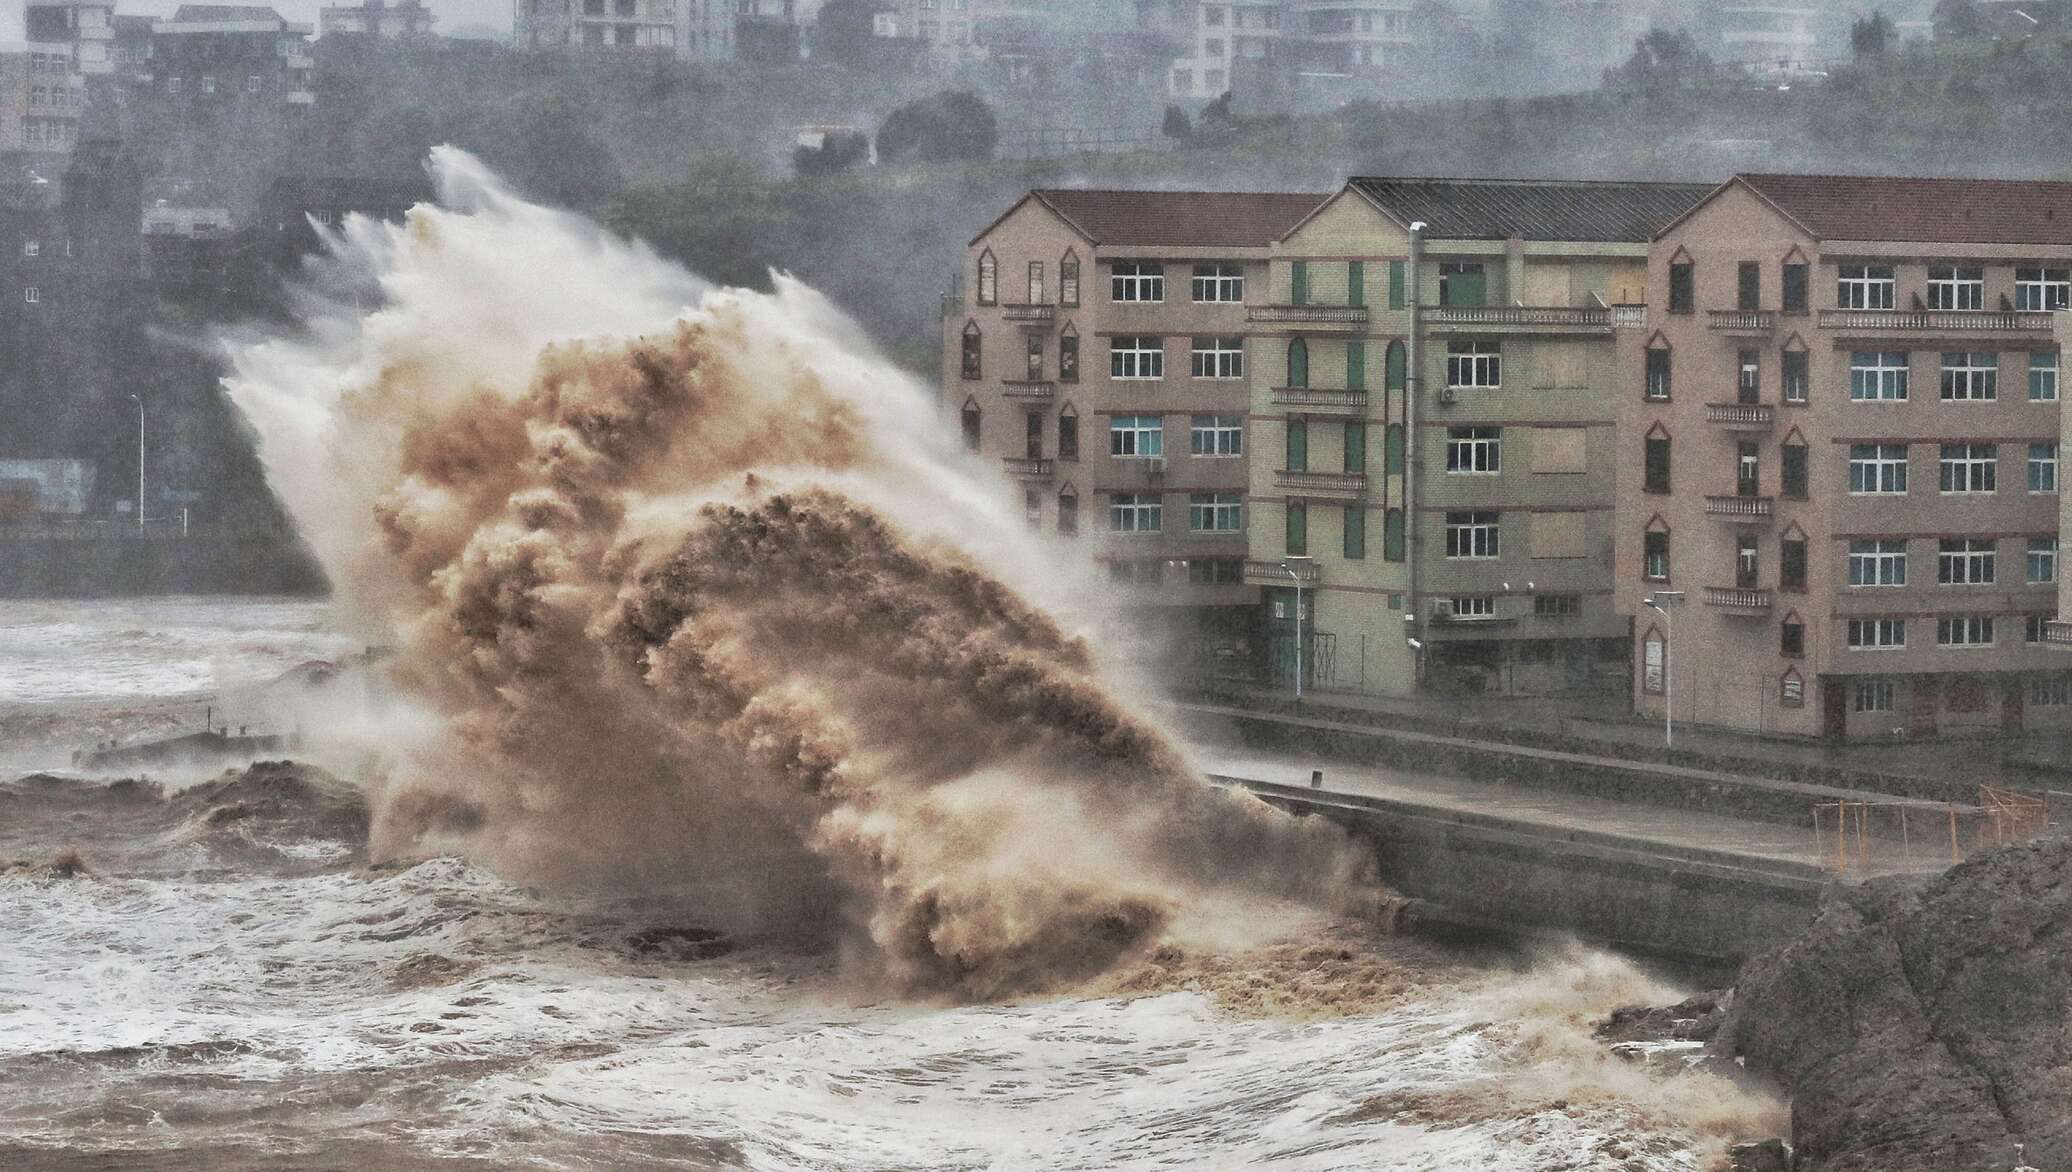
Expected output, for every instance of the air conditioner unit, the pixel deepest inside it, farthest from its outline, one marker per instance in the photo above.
(1446, 395)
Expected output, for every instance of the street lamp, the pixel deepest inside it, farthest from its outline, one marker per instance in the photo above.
(1660, 602)
(140, 461)
(1295, 576)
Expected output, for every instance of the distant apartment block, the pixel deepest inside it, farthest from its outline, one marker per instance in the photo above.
(217, 55)
(1219, 40)
(1098, 356)
(86, 26)
(960, 31)
(42, 94)
(684, 29)
(404, 20)
(1433, 375)
(1839, 442)
(1767, 33)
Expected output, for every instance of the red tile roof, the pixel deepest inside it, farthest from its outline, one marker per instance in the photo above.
(1181, 219)
(1944, 211)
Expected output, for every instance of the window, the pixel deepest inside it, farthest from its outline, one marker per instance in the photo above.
(2050, 691)
(1219, 283)
(32, 295)
(1136, 281)
(1037, 292)
(1068, 356)
(1652, 656)
(1658, 374)
(1795, 284)
(1970, 467)
(1068, 435)
(1970, 376)
(1748, 291)
(1748, 385)
(1474, 364)
(1791, 564)
(1136, 435)
(1298, 282)
(1216, 435)
(1964, 561)
(172, 86)
(1219, 358)
(1139, 357)
(1791, 689)
(1215, 512)
(2042, 289)
(1068, 280)
(1297, 434)
(1474, 450)
(1748, 469)
(1556, 606)
(1872, 696)
(1864, 287)
(1878, 468)
(1032, 507)
(2042, 564)
(1216, 571)
(1034, 345)
(1793, 471)
(972, 364)
(1392, 536)
(1878, 561)
(1355, 445)
(1033, 433)
(1746, 565)
(971, 426)
(1877, 375)
(2043, 467)
(32, 248)
(1956, 287)
(1682, 287)
(1654, 555)
(2035, 628)
(252, 84)
(1297, 528)
(1355, 529)
(1471, 535)
(2043, 378)
(1796, 377)
(1877, 634)
(1964, 630)
(1068, 514)
(1463, 283)
(1654, 475)
(988, 279)
(1136, 512)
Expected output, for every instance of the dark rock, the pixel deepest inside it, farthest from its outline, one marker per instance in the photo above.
(1768, 1156)
(1695, 1019)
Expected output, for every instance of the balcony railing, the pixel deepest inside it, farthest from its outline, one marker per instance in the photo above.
(1741, 508)
(1325, 315)
(1629, 317)
(1521, 317)
(1035, 314)
(1743, 321)
(1935, 320)
(1028, 468)
(1742, 416)
(2059, 632)
(1340, 486)
(1019, 388)
(1321, 402)
(1275, 574)
(1737, 598)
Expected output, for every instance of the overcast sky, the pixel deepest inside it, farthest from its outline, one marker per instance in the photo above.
(452, 14)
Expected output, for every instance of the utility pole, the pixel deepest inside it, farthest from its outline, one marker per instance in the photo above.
(1295, 575)
(140, 461)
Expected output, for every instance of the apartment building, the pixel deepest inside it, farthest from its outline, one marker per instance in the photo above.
(42, 95)
(1839, 435)
(220, 55)
(1140, 449)
(1223, 42)
(686, 29)
(1432, 383)
(87, 27)
(404, 20)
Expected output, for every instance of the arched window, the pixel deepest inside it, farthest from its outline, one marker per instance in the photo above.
(988, 278)
(1392, 535)
(1068, 354)
(1068, 433)
(972, 363)
(1394, 372)
(1791, 689)
(1068, 511)
(1068, 278)
(971, 425)
(1392, 450)
(1298, 363)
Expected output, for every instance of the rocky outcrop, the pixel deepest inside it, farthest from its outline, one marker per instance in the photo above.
(1924, 1025)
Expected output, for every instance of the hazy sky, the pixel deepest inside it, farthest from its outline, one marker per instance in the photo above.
(452, 13)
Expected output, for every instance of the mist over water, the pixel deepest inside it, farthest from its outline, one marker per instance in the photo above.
(701, 602)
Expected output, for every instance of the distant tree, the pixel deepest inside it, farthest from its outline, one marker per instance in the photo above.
(1660, 59)
(1870, 35)
(836, 153)
(842, 31)
(1217, 113)
(952, 126)
(1958, 20)
(1176, 124)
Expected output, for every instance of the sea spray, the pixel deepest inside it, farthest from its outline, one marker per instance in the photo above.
(699, 601)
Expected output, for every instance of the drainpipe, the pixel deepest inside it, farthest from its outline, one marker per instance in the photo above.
(1412, 385)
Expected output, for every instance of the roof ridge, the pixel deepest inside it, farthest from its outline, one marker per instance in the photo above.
(1514, 182)
(1163, 191)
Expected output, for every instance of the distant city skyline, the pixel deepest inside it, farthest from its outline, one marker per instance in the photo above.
(452, 14)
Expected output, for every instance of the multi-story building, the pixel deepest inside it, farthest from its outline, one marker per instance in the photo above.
(402, 21)
(686, 29)
(1277, 42)
(1433, 379)
(1214, 36)
(1767, 33)
(1139, 449)
(219, 56)
(42, 94)
(87, 26)
(1839, 435)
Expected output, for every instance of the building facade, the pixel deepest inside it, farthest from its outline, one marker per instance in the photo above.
(1432, 384)
(401, 21)
(685, 29)
(1839, 436)
(1097, 353)
(42, 96)
(214, 56)
(1225, 43)
(87, 26)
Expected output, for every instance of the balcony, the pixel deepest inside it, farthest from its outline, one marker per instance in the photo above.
(1519, 319)
(1028, 467)
(1739, 600)
(1742, 321)
(1323, 486)
(1307, 315)
(2058, 632)
(1741, 416)
(1272, 574)
(1629, 317)
(1935, 321)
(1028, 389)
(1030, 315)
(1742, 510)
(1309, 402)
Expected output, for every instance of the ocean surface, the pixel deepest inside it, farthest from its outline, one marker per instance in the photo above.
(231, 985)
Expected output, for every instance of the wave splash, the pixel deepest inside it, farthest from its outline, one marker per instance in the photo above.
(694, 598)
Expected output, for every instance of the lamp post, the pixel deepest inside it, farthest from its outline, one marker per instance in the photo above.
(1660, 602)
(140, 461)
(1295, 576)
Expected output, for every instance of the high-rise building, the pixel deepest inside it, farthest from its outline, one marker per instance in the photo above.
(220, 55)
(88, 26)
(42, 94)
(684, 29)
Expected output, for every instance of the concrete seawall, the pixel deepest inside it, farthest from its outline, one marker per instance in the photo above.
(119, 566)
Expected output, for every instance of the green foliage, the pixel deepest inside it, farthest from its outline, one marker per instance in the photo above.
(836, 154)
(1958, 20)
(1871, 35)
(1176, 124)
(1662, 59)
(952, 126)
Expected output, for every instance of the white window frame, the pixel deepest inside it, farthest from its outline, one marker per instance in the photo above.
(1865, 287)
(1474, 365)
(32, 295)
(1964, 630)
(2043, 468)
(1878, 376)
(1876, 634)
(2040, 289)
(1220, 358)
(1878, 561)
(2043, 377)
(2040, 563)
(1216, 436)
(1136, 512)
(1136, 282)
(1474, 535)
(1215, 512)
(1473, 606)
(1219, 284)
(1956, 287)
(1136, 357)
(1968, 469)
(1474, 451)
(1970, 376)
(1877, 469)
(1136, 437)
(2050, 691)
(1966, 561)
(1873, 696)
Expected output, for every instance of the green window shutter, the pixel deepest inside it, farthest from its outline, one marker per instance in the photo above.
(1395, 284)
(1355, 446)
(1392, 456)
(1356, 365)
(1298, 363)
(1395, 365)
(1392, 536)
(1298, 445)
(1356, 282)
(1299, 283)
(1298, 528)
(1355, 531)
